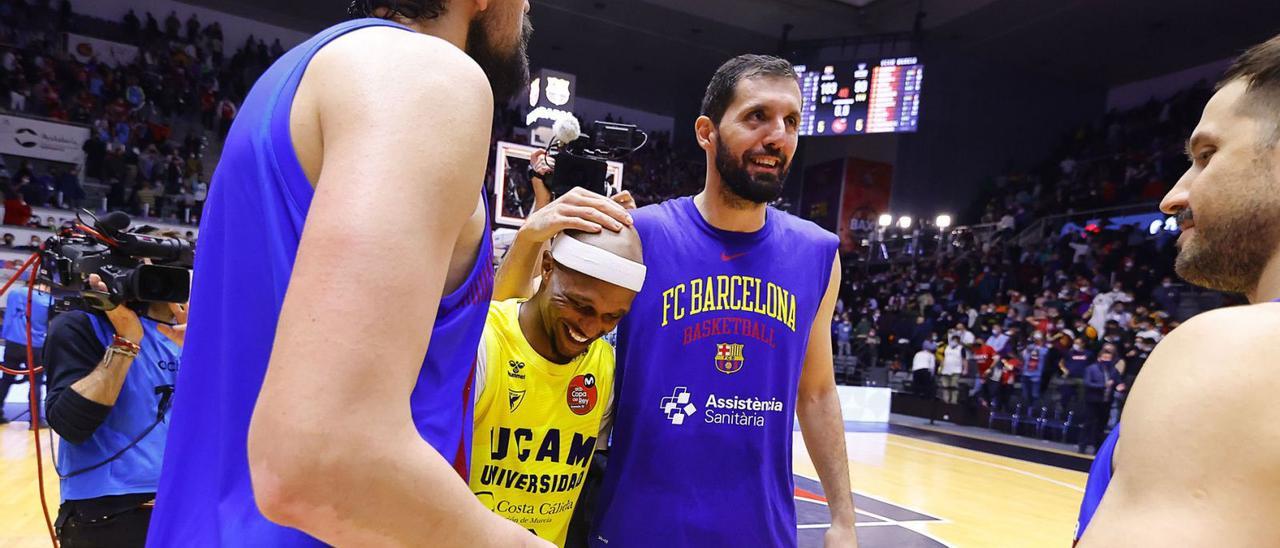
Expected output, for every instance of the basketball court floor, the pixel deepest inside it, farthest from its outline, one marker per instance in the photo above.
(912, 487)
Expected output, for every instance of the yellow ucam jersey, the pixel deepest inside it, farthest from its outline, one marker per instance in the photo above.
(537, 424)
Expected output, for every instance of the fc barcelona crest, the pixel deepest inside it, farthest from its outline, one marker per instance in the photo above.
(729, 358)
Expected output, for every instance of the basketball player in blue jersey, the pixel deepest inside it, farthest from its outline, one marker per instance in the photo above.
(724, 346)
(340, 291)
(1199, 461)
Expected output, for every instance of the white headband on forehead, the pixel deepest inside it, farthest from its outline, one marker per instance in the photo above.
(598, 263)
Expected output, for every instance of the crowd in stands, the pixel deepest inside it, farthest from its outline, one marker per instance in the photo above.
(1041, 325)
(138, 153)
(1125, 157)
(181, 79)
(1061, 326)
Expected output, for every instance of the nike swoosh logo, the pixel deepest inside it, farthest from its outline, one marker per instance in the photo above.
(726, 257)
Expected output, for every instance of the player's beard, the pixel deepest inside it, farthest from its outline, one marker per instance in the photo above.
(1237, 231)
(760, 189)
(508, 71)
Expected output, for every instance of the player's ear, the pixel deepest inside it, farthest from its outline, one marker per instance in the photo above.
(548, 262)
(705, 131)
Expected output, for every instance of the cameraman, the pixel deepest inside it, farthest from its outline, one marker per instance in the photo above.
(14, 331)
(539, 167)
(110, 379)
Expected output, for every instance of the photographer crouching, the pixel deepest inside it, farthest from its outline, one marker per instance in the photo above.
(112, 358)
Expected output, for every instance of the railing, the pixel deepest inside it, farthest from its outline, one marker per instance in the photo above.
(1035, 232)
(928, 242)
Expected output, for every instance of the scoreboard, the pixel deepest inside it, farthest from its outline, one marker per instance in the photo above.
(860, 97)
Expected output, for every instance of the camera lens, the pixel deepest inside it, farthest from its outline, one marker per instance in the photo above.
(162, 283)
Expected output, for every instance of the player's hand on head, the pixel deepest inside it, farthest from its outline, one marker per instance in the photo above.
(625, 199)
(578, 209)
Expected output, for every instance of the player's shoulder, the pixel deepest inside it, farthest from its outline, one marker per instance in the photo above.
(383, 47)
(796, 229)
(657, 214)
(1243, 327)
(1212, 382)
(1225, 349)
(601, 351)
(385, 59)
(660, 222)
(600, 359)
(502, 313)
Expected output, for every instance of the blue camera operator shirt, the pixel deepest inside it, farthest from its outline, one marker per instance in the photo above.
(15, 320)
(79, 342)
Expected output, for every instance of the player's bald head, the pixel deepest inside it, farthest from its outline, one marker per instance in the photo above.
(588, 284)
(624, 243)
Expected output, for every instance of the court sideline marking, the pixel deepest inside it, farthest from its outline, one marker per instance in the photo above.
(991, 464)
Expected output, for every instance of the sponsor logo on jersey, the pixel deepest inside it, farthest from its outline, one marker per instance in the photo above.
(515, 398)
(677, 406)
(581, 395)
(515, 369)
(749, 411)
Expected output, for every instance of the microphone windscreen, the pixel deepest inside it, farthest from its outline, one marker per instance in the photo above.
(115, 221)
(567, 129)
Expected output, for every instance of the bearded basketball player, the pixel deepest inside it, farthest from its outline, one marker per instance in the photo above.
(340, 291)
(724, 345)
(1197, 463)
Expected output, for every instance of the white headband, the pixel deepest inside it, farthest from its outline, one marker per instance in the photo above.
(598, 263)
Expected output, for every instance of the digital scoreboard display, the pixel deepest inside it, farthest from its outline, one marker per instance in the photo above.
(860, 97)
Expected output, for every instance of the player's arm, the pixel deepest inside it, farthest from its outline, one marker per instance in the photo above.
(578, 209)
(1196, 461)
(405, 140)
(541, 194)
(822, 421)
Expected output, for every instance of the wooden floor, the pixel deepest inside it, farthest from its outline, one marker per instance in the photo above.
(21, 521)
(910, 492)
(977, 499)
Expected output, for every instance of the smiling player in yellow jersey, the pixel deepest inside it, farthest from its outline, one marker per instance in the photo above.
(544, 380)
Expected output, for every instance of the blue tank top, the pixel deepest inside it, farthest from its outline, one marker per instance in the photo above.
(15, 317)
(709, 361)
(138, 469)
(252, 223)
(1099, 478)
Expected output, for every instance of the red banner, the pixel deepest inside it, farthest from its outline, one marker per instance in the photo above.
(867, 186)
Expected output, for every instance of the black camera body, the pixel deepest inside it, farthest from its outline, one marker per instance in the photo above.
(117, 257)
(584, 162)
